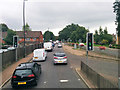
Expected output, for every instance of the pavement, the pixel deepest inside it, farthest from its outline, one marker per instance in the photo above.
(7, 73)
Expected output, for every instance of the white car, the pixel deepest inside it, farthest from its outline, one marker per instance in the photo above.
(81, 44)
(59, 45)
(11, 48)
(3, 50)
(60, 58)
(39, 55)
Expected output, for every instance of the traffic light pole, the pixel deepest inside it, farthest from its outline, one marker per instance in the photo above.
(86, 56)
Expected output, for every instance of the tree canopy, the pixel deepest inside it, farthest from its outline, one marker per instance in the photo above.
(48, 35)
(102, 37)
(4, 27)
(117, 22)
(27, 27)
(9, 39)
(73, 32)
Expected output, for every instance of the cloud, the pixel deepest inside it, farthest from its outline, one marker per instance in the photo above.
(41, 15)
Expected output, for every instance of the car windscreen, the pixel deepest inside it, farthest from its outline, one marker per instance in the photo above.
(23, 72)
(59, 54)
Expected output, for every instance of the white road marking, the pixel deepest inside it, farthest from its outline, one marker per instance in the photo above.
(78, 79)
(45, 82)
(64, 81)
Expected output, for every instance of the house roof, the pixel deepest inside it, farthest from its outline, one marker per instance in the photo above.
(29, 33)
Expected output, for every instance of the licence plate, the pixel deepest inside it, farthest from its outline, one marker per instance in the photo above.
(60, 61)
(19, 83)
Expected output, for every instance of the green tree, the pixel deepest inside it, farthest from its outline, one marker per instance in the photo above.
(102, 35)
(74, 32)
(117, 22)
(104, 42)
(27, 27)
(9, 39)
(4, 27)
(96, 37)
(105, 30)
(48, 35)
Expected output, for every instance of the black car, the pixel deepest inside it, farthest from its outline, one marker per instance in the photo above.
(26, 74)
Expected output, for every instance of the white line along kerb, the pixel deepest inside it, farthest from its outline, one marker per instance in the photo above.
(64, 81)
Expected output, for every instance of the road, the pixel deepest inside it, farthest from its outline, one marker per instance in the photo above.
(53, 74)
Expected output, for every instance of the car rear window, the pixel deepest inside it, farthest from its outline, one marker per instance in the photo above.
(23, 72)
(59, 54)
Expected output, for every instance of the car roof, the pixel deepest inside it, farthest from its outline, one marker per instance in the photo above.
(26, 65)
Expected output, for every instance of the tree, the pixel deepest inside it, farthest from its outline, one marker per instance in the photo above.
(27, 27)
(74, 32)
(99, 37)
(9, 39)
(4, 27)
(105, 30)
(104, 42)
(117, 22)
(48, 36)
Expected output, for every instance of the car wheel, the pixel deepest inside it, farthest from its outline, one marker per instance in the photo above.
(14, 87)
(66, 63)
(35, 83)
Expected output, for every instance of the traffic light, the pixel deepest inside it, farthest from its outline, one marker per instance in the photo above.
(15, 41)
(89, 41)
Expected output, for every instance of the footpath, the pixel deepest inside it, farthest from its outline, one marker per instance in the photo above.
(6, 74)
(104, 58)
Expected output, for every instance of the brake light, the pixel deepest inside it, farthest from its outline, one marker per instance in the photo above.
(14, 77)
(65, 57)
(55, 58)
(32, 75)
(43, 54)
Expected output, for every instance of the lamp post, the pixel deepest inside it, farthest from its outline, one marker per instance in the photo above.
(24, 25)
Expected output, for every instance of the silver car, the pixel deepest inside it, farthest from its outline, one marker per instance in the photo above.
(60, 58)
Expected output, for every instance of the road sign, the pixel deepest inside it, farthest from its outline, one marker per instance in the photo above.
(90, 41)
(15, 41)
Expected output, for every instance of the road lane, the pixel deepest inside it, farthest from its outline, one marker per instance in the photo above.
(52, 74)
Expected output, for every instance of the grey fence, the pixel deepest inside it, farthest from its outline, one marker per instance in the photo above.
(10, 56)
(96, 79)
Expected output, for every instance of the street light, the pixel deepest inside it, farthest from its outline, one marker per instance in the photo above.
(24, 25)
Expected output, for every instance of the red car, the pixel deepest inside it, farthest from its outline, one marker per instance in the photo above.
(102, 47)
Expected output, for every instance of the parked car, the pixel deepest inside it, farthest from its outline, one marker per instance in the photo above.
(81, 44)
(60, 58)
(48, 46)
(11, 48)
(26, 74)
(59, 45)
(3, 50)
(102, 47)
(39, 55)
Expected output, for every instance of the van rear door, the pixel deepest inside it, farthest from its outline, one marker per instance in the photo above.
(38, 54)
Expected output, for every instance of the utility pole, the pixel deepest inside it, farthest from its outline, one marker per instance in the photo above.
(24, 25)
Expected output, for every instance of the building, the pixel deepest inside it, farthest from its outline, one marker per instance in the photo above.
(31, 37)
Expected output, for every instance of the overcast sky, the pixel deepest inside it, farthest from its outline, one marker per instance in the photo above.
(56, 14)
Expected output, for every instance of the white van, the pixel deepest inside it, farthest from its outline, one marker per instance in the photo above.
(48, 46)
(39, 55)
